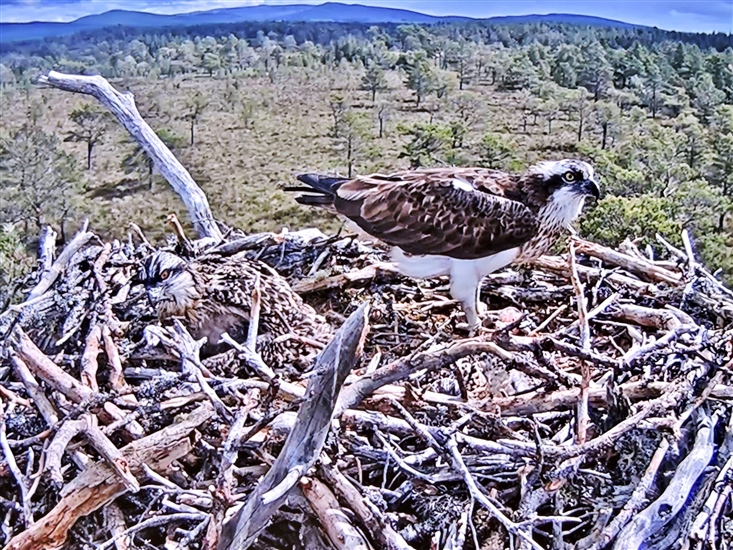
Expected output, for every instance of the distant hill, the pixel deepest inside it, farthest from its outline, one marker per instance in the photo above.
(331, 11)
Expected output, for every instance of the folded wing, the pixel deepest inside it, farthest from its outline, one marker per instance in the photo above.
(445, 212)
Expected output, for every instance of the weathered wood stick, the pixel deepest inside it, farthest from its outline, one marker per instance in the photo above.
(47, 410)
(662, 319)
(304, 443)
(556, 264)
(114, 521)
(583, 418)
(402, 368)
(57, 268)
(336, 524)
(124, 109)
(99, 484)
(663, 510)
(88, 365)
(635, 265)
(367, 273)
(369, 515)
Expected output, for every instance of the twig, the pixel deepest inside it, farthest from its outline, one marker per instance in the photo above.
(54, 452)
(402, 368)
(254, 316)
(583, 418)
(153, 522)
(581, 301)
(20, 479)
(460, 466)
(252, 358)
(88, 364)
(184, 346)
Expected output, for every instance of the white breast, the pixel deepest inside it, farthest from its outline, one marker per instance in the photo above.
(430, 266)
(420, 267)
(563, 208)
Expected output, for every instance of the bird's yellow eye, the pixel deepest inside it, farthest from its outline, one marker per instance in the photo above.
(569, 176)
(165, 274)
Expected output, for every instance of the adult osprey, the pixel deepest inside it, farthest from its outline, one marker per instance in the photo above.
(460, 222)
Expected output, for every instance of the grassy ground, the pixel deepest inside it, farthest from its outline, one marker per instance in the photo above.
(242, 164)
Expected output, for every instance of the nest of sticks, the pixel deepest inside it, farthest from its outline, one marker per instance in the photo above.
(594, 410)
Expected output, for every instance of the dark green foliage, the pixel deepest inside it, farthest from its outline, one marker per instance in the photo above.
(14, 263)
(496, 151)
(427, 143)
(618, 218)
(40, 183)
(90, 125)
(374, 80)
(421, 77)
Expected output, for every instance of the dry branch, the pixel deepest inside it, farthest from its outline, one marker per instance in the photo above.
(367, 512)
(123, 108)
(52, 272)
(99, 484)
(402, 368)
(636, 265)
(341, 532)
(653, 518)
(306, 437)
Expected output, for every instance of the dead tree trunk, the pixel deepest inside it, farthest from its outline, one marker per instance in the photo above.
(124, 109)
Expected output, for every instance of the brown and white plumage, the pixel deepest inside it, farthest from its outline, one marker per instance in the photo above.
(460, 222)
(213, 294)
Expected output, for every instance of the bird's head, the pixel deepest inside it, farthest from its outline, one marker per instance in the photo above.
(170, 285)
(570, 176)
(566, 184)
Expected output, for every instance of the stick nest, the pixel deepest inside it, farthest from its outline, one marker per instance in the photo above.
(593, 411)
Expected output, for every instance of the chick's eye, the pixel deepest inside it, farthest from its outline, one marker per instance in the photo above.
(569, 176)
(165, 274)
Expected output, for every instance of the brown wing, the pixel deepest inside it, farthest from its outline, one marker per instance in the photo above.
(460, 213)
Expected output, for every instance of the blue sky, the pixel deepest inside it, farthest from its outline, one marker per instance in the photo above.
(683, 15)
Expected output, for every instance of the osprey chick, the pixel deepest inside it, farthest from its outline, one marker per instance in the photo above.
(460, 222)
(213, 294)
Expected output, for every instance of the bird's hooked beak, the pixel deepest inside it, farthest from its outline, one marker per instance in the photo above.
(155, 296)
(591, 187)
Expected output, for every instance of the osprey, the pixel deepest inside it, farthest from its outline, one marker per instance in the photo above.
(213, 294)
(461, 222)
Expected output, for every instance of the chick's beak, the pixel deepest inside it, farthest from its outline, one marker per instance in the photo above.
(591, 187)
(154, 295)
